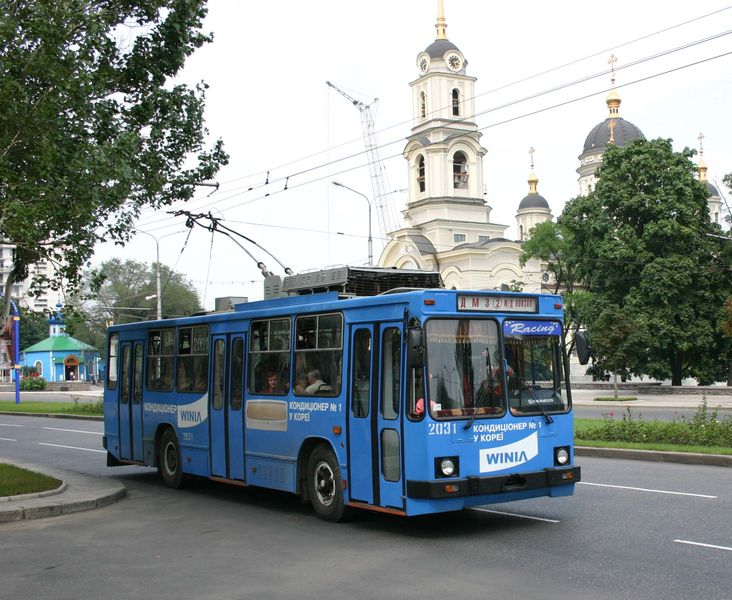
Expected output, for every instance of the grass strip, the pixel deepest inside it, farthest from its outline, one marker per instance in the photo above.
(583, 425)
(654, 446)
(14, 481)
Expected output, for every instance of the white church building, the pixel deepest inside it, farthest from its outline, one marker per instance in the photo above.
(447, 223)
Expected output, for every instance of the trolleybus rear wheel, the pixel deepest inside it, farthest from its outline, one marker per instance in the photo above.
(325, 486)
(169, 463)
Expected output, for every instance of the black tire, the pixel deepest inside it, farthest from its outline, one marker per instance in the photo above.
(170, 467)
(325, 485)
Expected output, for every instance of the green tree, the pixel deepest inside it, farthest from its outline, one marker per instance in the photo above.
(551, 243)
(33, 328)
(647, 257)
(92, 125)
(121, 292)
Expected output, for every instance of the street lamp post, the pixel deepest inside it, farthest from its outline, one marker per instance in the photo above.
(371, 249)
(158, 291)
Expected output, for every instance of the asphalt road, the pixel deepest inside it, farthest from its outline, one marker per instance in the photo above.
(632, 530)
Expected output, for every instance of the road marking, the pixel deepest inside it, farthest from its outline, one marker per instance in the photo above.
(70, 447)
(508, 514)
(73, 430)
(8, 440)
(637, 489)
(703, 545)
(9, 425)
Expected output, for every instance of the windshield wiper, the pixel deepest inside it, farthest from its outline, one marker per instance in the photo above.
(478, 404)
(524, 385)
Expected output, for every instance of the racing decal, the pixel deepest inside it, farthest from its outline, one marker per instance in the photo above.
(510, 455)
(532, 328)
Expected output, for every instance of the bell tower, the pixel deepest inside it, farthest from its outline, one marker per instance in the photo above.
(443, 151)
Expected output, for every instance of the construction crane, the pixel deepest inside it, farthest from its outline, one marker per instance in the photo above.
(388, 221)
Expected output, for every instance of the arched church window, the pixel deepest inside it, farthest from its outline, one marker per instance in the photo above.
(420, 173)
(422, 105)
(456, 102)
(521, 233)
(460, 171)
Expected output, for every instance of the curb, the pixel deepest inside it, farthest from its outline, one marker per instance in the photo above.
(59, 490)
(77, 493)
(53, 415)
(687, 458)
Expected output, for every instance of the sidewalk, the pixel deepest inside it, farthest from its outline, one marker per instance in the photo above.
(77, 493)
(671, 401)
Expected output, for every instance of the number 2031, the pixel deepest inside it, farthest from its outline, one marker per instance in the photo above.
(442, 428)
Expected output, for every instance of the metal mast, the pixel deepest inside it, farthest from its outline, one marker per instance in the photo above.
(388, 221)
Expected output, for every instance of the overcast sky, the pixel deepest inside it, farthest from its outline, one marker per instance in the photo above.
(267, 98)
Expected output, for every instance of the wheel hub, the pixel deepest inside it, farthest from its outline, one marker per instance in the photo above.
(325, 483)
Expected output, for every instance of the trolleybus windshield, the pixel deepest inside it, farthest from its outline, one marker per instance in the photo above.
(536, 377)
(463, 362)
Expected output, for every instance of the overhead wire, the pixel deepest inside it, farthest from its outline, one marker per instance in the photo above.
(496, 89)
(495, 124)
(489, 126)
(358, 154)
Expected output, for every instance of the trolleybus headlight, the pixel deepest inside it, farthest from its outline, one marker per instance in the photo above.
(447, 467)
(561, 455)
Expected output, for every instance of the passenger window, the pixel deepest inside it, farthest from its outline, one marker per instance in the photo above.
(269, 357)
(390, 461)
(361, 376)
(391, 373)
(192, 360)
(236, 383)
(318, 355)
(112, 364)
(137, 376)
(416, 394)
(160, 359)
(124, 392)
(217, 393)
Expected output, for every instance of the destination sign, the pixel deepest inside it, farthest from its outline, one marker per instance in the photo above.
(523, 304)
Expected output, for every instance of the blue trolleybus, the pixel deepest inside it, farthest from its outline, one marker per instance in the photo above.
(410, 402)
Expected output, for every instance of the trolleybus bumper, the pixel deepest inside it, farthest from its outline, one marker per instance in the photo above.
(479, 486)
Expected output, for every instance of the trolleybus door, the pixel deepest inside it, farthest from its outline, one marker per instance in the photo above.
(225, 400)
(217, 407)
(130, 400)
(361, 458)
(389, 416)
(235, 403)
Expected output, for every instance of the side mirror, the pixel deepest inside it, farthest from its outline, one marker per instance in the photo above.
(582, 347)
(415, 348)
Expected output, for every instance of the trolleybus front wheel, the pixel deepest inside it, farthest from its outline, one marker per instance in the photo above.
(169, 462)
(325, 486)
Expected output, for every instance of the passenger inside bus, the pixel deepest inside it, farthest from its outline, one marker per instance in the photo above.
(302, 383)
(183, 381)
(273, 385)
(315, 384)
